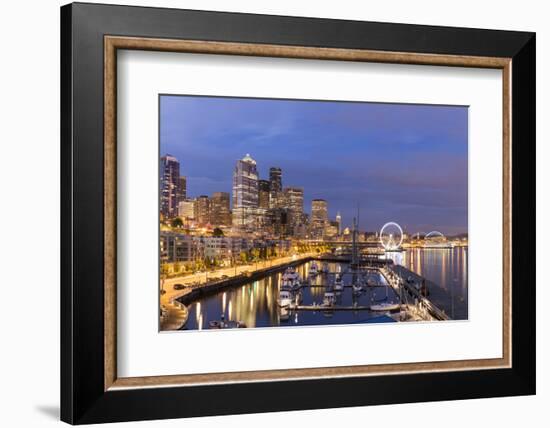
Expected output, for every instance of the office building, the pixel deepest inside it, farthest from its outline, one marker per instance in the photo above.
(319, 217)
(202, 210)
(263, 194)
(220, 213)
(245, 192)
(169, 185)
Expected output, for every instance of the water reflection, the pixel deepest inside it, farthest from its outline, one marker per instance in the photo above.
(446, 269)
(255, 303)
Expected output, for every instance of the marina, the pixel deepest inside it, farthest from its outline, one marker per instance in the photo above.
(269, 298)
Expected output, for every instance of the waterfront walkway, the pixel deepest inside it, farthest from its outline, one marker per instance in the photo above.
(174, 315)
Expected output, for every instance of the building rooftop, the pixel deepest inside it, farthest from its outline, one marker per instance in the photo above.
(248, 158)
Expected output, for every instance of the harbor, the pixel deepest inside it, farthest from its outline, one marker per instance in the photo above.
(375, 290)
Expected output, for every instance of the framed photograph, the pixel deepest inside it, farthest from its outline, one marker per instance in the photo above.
(265, 213)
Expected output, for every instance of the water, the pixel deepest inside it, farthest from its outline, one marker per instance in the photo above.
(447, 270)
(255, 303)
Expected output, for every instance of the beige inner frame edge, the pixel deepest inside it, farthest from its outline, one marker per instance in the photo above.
(112, 43)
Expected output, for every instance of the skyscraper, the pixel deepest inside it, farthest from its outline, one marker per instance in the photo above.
(294, 201)
(220, 214)
(245, 191)
(182, 188)
(186, 209)
(202, 208)
(169, 170)
(275, 187)
(339, 222)
(263, 194)
(319, 217)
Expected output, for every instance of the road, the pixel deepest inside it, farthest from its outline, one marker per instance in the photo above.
(175, 315)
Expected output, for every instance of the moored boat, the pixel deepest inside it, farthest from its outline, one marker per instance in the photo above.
(385, 307)
(338, 283)
(285, 298)
(313, 269)
(220, 324)
(329, 298)
(291, 280)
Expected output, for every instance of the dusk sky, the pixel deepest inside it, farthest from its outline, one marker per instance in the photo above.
(399, 162)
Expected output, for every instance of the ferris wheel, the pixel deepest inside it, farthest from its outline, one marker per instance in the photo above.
(391, 236)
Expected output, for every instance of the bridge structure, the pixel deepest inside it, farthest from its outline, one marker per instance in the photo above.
(436, 239)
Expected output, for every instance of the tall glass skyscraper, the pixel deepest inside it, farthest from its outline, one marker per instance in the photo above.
(263, 194)
(245, 191)
(275, 187)
(294, 201)
(169, 185)
(319, 217)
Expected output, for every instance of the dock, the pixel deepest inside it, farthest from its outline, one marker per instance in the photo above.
(329, 308)
(394, 275)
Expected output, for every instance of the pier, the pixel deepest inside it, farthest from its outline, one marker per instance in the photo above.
(329, 308)
(395, 275)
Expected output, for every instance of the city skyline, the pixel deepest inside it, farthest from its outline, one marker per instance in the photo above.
(417, 178)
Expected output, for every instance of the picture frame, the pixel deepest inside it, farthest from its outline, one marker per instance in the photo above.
(91, 35)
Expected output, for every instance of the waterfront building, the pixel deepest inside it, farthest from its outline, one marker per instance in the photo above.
(245, 192)
(319, 217)
(186, 209)
(220, 213)
(176, 247)
(169, 186)
(202, 210)
(263, 194)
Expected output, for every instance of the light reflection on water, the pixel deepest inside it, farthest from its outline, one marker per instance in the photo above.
(255, 303)
(447, 268)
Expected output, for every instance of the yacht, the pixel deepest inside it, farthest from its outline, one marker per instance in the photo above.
(338, 283)
(285, 298)
(290, 280)
(329, 298)
(385, 307)
(313, 269)
(222, 323)
(290, 274)
(284, 314)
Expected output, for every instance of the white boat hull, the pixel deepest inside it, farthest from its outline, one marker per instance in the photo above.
(385, 307)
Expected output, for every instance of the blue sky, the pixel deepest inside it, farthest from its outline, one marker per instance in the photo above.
(403, 163)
